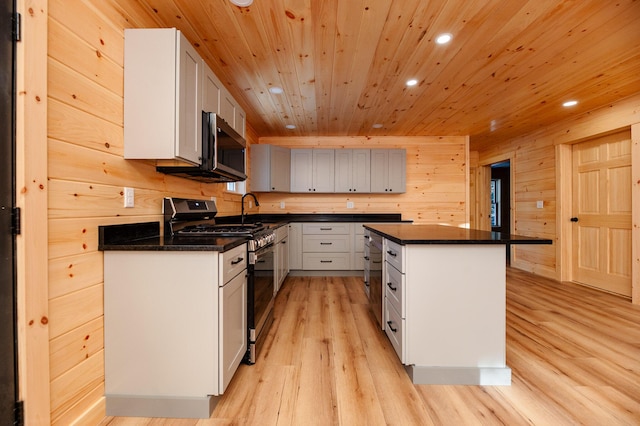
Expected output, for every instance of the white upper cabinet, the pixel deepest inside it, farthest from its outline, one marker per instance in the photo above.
(388, 170)
(162, 96)
(211, 90)
(312, 170)
(167, 85)
(353, 170)
(231, 112)
(270, 168)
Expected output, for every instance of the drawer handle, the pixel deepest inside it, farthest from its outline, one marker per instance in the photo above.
(325, 244)
(392, 287)
(238, 260)
(366, 258)
(377, 261)
(389, 323)
(326, 261)
(390, 253)
(261, 261)
(283, 242)
(326, 229)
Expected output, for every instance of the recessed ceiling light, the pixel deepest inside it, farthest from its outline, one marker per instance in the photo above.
(290, 126)
(377, 126)
(242, 3)
(412, 82)
(276, 90)
(444, 38)
(570, 103)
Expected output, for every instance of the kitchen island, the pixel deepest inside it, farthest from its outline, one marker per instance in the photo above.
(444, 301)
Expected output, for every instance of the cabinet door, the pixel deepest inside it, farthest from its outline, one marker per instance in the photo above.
(397, 170)
(280, 165)
(379, 170)
(388, 170)
(260, 168)
(232, 323)
(343, 170)
(360, 170)
(240, 120)
(295, 246)
(211, 89)
(323, 170)
(189, 80)
(301, 170)
(227, 108)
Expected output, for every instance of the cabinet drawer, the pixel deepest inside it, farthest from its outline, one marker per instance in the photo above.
(328, 261)
(394, 328)
(326, 228)
(394, 254)
(232, 262)
(326, 243)
(394, 289)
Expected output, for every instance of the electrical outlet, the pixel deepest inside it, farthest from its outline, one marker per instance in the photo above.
(282, 204)
(539, 204)
(349, 204)
(128, 197)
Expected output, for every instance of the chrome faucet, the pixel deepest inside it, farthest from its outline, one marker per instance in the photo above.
(242, 204)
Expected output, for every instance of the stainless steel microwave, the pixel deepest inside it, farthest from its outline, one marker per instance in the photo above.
(223, 154)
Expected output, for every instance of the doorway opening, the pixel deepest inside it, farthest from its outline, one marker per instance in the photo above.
(500, 191)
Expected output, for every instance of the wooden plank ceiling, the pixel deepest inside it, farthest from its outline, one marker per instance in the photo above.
(343, 64)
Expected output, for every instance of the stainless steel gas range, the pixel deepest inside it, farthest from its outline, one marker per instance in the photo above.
(189, 218)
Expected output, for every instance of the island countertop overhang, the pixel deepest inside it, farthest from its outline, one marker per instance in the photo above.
(406, 233)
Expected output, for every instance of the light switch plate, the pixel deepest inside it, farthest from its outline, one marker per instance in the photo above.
(282, 204)
(349, 204)
(539, 204)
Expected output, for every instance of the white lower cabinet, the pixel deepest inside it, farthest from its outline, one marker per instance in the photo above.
(327, 246)
(394, 302)
(281, 251)
(232, 314)
(394, 328)
(444, 309)
(173, 336)
(295, 246)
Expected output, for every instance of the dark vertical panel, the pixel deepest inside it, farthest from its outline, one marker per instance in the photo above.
(503, 172)
(8, 375)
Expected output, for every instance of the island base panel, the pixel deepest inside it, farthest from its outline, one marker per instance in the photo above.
(486, 376)
(161, 406)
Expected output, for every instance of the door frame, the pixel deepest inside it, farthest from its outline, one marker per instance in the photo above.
(483, 195)
(564, 228)
(32, 189)
(9, 391)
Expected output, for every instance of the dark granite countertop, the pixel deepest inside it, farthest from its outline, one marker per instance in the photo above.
(437, 234)
(146, 236)
(285, 218)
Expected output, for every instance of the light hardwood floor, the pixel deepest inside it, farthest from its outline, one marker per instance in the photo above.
(574, 354)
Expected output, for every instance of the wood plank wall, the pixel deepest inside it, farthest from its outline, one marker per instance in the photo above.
(86, 175)
(538, 172)
(436, 180)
